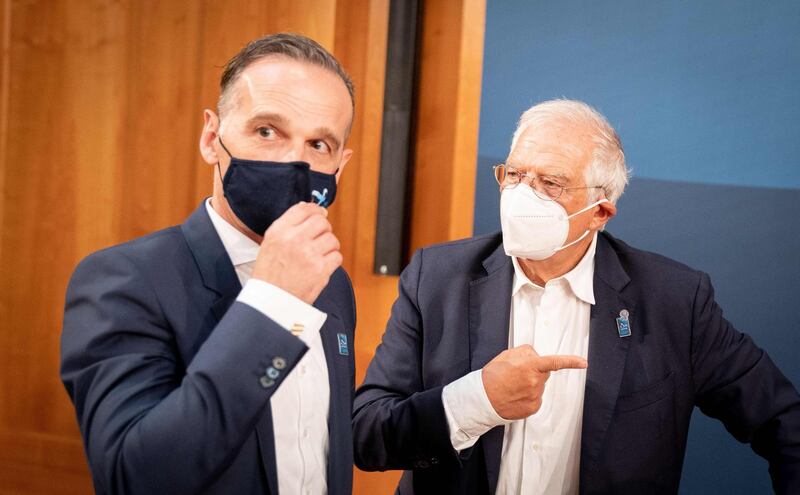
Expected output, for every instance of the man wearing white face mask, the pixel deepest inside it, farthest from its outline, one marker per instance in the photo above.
(481, 384)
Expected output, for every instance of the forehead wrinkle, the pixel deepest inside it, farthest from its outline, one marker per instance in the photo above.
(270, 88)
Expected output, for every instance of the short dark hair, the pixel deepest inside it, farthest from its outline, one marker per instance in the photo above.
(291, 45)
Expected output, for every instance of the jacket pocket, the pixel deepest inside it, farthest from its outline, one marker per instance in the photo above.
(640, 453)
(643, 398)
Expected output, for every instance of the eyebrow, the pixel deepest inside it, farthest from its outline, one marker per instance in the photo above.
(271, 117)
(328, 135)
(561, 176)
(557, 175)
(325, 133)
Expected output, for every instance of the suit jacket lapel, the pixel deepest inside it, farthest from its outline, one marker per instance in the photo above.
(341, 396)
(607, 354)
(489, 312)
(213, 262)
(219, 277)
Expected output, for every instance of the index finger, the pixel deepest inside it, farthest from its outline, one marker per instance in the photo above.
(298, 213)
(547, 364)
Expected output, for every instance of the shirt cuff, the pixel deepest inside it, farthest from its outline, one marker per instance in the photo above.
(289, 312)
(468, 410)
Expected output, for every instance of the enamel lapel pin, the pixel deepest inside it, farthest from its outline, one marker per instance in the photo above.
(623, 324)
(342, 338)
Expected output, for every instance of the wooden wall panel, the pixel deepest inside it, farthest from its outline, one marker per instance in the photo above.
(100, 113)
(448, 116)
(5, 42)
(45, 136)
(157, 158)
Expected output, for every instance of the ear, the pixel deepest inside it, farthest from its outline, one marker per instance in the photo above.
(208, 138)
(602, 214)
(346, 155)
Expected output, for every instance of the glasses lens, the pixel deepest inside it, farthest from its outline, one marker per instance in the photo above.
(544, 194)
(547, 189)
(500, 174)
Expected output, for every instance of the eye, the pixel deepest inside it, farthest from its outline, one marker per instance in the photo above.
(321, 146)
(512, 174)
(266, 132)
(547, 182)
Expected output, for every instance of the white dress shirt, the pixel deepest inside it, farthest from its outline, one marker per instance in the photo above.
(541, 453)
(300, 405)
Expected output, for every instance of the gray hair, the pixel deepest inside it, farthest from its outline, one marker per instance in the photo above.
(607, 164)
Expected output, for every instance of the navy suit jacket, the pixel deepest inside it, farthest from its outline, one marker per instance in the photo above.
(167, 371)
(452, 317)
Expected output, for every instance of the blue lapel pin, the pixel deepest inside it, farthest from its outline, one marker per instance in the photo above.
(623, 325)
(342, 338)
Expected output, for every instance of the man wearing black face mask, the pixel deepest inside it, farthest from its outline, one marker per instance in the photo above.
(216, 356)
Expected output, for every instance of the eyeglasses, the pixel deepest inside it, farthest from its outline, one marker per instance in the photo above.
(545, 187)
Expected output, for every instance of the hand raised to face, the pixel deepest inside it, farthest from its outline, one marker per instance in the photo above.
(299, 252)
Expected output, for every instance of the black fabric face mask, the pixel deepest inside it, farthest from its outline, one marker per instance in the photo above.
(259, 192)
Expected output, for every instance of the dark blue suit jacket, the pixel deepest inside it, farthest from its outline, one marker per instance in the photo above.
(165, 369)
(452, 317)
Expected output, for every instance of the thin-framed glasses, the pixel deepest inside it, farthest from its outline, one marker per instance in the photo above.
(545, 187)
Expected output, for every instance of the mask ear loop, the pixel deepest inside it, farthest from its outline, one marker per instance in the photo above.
(604, 200)
(219, 138)
(579, 239)
(219, 169)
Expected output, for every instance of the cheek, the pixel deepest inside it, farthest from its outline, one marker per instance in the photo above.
(327, 164)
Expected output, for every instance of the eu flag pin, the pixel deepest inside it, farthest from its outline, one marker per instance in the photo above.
(342, 338)
(623, 325)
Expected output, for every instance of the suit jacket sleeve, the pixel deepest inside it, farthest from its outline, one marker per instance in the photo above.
(398, 422)
(736, 382)
(151, 423)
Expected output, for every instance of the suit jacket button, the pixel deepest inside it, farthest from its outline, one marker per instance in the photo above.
(272, 373)
(434, 461)
(266, 382)
(279, 363)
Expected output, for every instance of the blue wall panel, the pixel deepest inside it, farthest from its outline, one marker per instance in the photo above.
(699, 91)
(706, 98)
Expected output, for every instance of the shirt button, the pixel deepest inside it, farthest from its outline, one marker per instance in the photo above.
(302, 370)
(306, 433)
(547, 323)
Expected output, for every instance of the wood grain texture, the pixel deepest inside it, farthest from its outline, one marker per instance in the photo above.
(100, 115)
(447, 121)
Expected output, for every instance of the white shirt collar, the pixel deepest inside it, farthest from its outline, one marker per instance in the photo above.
(240, 248)
(580, 279)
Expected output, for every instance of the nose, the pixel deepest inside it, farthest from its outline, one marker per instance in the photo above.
(294, 151)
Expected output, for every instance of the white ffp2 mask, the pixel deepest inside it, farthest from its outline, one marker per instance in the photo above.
(534, 228)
